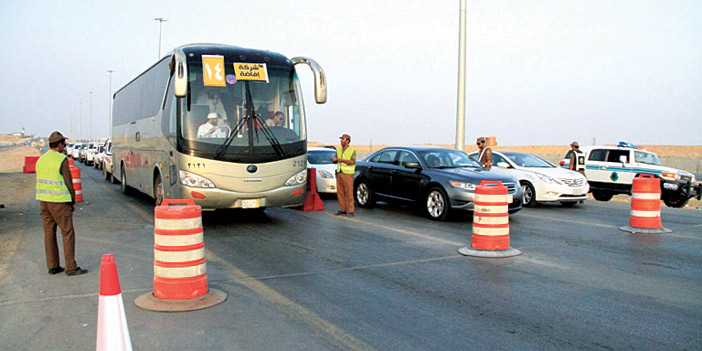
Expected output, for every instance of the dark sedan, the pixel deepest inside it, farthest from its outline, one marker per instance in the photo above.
(438, 179)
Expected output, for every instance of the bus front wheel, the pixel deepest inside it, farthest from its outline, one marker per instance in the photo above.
(158, 190)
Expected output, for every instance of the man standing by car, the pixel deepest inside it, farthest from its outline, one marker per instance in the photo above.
(346, 167)
(574, 158)
(485, 156)
(57, 202)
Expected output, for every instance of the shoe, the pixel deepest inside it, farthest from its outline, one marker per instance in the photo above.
(56, 270)
(350, 215)
(77, 271)
(340, 213)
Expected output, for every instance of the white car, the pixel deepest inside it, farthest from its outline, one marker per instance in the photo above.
(107, 170)
(75, 152)
(99, 154)
(541, 181)
(320, 159)
(69, 149)
(90, 153)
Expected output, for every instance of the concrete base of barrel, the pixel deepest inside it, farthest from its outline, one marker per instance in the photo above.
(467, 251)
(631, 229)
(150, 302)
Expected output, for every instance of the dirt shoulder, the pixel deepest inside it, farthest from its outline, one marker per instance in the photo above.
(12, 160)
(16, 194)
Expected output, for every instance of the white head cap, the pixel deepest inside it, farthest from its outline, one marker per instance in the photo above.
(212, 115)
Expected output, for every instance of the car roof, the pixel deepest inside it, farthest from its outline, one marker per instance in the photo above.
(320, 149)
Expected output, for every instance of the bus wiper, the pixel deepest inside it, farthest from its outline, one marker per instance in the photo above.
(271, 138)
(230, 138)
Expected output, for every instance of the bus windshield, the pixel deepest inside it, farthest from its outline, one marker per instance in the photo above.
(245, 120)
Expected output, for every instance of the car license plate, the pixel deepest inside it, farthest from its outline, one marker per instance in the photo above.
(253, 203)
(577, 192)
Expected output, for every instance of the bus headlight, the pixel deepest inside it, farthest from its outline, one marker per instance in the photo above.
(297, 179)
(194, 180)
(324, 174)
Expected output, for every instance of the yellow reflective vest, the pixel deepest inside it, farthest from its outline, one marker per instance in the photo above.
(346, 155)
(51, 186)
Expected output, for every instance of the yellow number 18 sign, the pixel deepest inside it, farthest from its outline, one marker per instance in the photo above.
(213, 70)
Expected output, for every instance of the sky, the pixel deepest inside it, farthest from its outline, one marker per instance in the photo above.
(539, 72)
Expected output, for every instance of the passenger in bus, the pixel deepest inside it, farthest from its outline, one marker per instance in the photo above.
(214, 102)
(210, 128)
(276, 120)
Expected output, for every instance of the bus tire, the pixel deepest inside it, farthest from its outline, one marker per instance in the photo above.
(159, 192)
(124, 186)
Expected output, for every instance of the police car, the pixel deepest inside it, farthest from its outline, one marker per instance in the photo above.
(610, 170)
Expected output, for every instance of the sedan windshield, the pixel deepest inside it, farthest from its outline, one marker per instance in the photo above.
(447, 159)
(528, 160)
(320, 157)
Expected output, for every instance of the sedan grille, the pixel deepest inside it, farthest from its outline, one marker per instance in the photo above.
(511, 187)
(574, 183)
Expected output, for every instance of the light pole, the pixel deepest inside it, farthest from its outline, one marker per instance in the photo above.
(160, 22)
(461, 110)
(109, 117)
(90, 132)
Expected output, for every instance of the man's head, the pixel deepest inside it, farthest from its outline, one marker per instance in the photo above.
(212, 118)
(57, 141)
(345, 139)
(574, 145)
(480, 142)
(278, 118)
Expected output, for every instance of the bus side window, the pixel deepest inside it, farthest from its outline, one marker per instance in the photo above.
(168, 117)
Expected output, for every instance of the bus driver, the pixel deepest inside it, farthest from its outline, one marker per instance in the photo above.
(209, 129)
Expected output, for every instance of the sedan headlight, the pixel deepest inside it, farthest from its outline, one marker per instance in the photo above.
(324, 174)
(547, 179)
(297, 179)
(194, 180)
(462, 185)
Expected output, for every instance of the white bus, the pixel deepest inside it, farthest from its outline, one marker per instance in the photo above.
(166, 145)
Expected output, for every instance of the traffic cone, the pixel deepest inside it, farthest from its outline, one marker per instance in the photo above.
(312, 202)
(112, 331)
(490, 222)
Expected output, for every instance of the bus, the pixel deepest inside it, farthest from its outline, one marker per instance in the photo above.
(221, 125)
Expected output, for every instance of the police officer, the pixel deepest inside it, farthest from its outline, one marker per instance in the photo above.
(346, 167)
(485, 156)
(576, 158)
(57, 202)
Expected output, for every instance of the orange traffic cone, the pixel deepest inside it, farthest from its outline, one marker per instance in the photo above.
(312, 202)
(490, 222)
(645, 206)
(112, 331)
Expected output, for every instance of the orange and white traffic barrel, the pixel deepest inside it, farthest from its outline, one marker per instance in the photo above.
(645, 206)
(180, 274)
(77, 183)
(490, 222)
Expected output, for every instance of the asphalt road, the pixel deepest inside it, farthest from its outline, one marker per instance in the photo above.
(388, 279)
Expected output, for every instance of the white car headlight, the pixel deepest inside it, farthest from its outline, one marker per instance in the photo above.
(462, 185)
(297, 179)
(547, 179)
(194, 180)
(324, 174)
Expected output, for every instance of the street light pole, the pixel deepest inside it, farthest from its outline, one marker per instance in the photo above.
(90, 133)
(160, 22)
(109, 117)
(461, 113)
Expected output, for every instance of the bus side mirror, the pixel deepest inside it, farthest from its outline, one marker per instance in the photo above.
(180, 73)
(320, 79)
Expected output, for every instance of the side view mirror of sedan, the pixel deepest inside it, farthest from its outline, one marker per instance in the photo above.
(413, 165)
(503, 164)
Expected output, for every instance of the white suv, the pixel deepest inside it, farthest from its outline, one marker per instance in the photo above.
(610, 170)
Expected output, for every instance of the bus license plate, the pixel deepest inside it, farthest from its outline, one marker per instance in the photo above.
(254, 203)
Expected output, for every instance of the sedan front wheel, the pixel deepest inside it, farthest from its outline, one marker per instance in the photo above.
(437, 204)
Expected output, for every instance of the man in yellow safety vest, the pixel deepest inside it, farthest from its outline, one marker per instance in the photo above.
(57, 202)
(346, 167)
